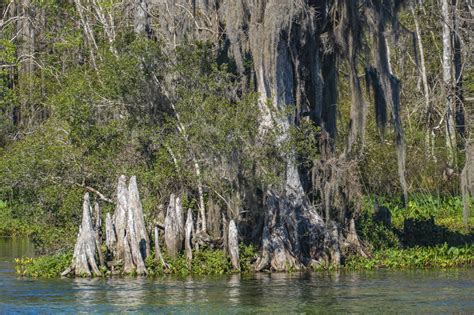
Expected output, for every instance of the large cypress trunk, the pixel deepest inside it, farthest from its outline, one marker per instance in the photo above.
(294, 48)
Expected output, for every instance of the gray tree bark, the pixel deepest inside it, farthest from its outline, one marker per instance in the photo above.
(174, 227)
(158, 254)
(110, 238)
(450, 110)
(234, 245)
(84, 260)
(98, 234)
(120, 217)
(189, 231)
(135, 208)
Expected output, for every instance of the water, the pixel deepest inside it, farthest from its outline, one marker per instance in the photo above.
(434, 291)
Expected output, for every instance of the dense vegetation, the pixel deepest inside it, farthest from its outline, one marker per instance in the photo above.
(89, 91)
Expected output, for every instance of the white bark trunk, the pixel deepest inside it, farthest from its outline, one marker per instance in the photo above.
(158, 254)
(136, 245)
(174, 229)
(84, 259)
(98, 234)
(424, 79)
(135, 207)
(120, 217)
(110, 238)
(188, 237)
(467, 181)
(448, 82)
(234, 245)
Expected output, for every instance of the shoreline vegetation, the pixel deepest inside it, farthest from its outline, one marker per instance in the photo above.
(429, 233)
(216, 262)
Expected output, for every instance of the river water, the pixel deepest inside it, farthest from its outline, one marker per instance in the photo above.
(418, 291)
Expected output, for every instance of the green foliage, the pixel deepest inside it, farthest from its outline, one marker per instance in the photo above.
(43, 266)
(425, 221)
(205, 262)
(210, 262)
(248, 255)
(441, 256)
(447, 211)
(376, 234)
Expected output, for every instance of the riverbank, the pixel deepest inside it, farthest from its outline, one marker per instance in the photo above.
(428, 233)
(215, 262)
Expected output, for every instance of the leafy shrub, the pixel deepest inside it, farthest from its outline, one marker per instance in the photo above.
(43, 266)
(442, 256)
(248, 255)
(374, 233)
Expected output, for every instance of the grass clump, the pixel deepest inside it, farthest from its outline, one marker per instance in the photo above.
(49, 266)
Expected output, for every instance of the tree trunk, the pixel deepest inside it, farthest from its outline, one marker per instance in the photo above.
(213, 219)
(110, 238)
(188, 236)
(84, 259)
(98, 234)
(225, 234)
(136, 234)
(135, 207)
(467, 175)
(467, 181)
(120, 217)
(174, 229)
(234, 245)
(136, 246)
(448, 82)
(158, 254)
(426, 90)
(25, 40)
(141, 18)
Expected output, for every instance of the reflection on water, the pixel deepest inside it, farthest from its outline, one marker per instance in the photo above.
(381, 291)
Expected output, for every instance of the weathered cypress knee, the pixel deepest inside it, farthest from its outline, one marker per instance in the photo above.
(85, 251)
(234, 245)
(158, 255)
(174, 229)
(188, 236)
(136, 209)
(119, 219)
(110, 238)
(136, 233)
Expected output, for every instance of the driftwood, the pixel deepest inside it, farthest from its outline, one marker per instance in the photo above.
(174, 226)
(84, 259)
(234, 245)
(188, 236)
